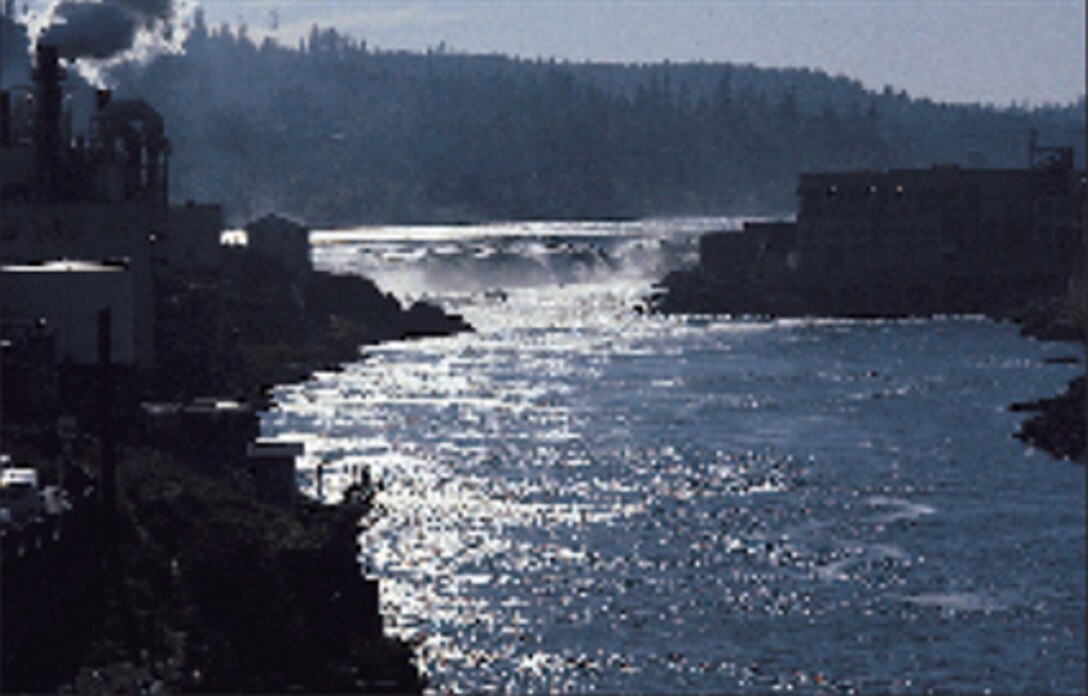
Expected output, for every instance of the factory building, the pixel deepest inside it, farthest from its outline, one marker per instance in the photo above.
(946, 235)
(765, 252)
(99, 199)
(912, 241)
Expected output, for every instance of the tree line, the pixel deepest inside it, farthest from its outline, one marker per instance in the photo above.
(336, 132)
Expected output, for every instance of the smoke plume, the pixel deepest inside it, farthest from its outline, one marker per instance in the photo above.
(102, 33)
(90, 31)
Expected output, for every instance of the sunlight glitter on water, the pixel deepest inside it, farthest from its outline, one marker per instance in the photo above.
(581, 496)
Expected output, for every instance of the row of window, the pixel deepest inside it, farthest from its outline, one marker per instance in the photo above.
(834, 191)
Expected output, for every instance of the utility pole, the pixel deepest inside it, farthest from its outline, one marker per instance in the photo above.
(106, 432)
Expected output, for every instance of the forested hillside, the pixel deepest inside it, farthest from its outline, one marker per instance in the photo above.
(337, 133)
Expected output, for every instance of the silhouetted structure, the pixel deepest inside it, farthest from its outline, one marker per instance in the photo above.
(284, 241)
(111, 295)
(902, 242)
(94, 198)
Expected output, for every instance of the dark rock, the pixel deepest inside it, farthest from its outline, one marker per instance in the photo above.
(1050, 319)
(424, 319)
(1059, 424)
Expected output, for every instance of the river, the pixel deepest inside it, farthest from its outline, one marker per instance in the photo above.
(585, 496)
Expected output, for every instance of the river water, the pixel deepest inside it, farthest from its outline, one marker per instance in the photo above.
(583, 496)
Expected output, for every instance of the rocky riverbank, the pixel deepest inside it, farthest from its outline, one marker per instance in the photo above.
(1058, 423)
(257, 328)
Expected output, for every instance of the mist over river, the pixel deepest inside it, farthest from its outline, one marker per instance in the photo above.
(585, 496)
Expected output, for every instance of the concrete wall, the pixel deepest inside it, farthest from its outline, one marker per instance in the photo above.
(191, 239)
(727, 255)
(930, 225)
(16, 164)
(67, 296)
(85, 230)
(94, 231)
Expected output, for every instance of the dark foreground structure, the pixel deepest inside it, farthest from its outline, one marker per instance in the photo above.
(150, 541)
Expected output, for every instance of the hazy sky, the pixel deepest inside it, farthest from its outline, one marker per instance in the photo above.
(950, 50)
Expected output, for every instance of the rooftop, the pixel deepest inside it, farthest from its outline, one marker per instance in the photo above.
(66, 266)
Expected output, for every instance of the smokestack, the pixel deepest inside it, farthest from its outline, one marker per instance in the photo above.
(66, 124)
(47, 136)
(102, 99)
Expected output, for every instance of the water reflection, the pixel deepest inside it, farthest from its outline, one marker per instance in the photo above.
(581, 497)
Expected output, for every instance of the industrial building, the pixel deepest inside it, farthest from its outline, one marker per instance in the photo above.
(909, 241)
(99, 197)
(110, 295)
